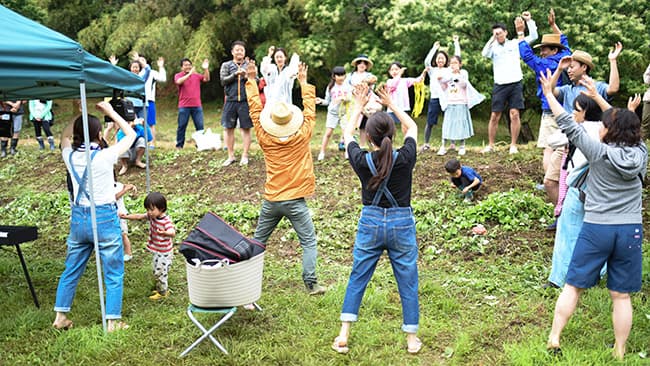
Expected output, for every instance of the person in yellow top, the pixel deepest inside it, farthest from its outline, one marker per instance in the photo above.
(283, 132)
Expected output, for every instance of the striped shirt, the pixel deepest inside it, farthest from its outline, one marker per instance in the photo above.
(159, 243)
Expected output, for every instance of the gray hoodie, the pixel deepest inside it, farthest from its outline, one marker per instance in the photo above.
(614, 181)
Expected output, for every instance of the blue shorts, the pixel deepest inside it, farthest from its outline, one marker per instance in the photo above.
(151, 113)
(617, 245)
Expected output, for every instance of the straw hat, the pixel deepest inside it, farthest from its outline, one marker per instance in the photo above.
(584, 58)
(362, 58)
(281, 120)
(551, 40)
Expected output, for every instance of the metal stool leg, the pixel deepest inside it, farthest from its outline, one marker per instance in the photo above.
(207, 333)
(29, 280)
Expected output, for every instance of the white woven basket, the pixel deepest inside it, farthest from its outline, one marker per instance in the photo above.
(227, 285)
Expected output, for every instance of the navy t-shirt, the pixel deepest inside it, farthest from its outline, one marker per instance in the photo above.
(401, 177)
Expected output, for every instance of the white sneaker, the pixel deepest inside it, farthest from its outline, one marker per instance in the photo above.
(442, 151)
(487, 149)
(461, 151)
(127, 257)
(513, 149)
(243, 161)
(321, 156)
(228, 162)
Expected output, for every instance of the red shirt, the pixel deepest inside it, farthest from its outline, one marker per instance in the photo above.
(189, 93)
(159, 243)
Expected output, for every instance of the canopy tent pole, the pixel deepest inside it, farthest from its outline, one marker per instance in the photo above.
(93, 214)
(146, 144)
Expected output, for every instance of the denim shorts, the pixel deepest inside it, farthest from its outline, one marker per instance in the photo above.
(617, 245)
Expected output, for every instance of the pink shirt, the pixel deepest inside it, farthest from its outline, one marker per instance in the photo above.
(189, 93)
(455, 87)
(399, 93)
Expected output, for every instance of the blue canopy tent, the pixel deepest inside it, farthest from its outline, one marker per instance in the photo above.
(39, 63)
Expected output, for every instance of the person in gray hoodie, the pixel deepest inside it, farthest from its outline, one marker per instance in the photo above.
(612, 231)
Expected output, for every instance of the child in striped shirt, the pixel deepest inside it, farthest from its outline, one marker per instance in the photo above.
(161, 232)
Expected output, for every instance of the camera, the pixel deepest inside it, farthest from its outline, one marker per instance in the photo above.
(122, 106)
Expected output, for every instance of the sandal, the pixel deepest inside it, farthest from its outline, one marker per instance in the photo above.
(117, 325)
(554, 350)
(416, 347)
(67, 324)
(340, 346)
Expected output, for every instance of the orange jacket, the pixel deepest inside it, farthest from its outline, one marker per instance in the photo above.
(289, 164)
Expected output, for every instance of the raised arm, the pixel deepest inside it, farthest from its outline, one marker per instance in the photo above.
(646, 75)
(487, 49)
(563, 64)
(432, 51)
(614, 80)
(404, 118)
(552, 23)
(456, 45)
(360, 96)
(206, 70)
(161, 75)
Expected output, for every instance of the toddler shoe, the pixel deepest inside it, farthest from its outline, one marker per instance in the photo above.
(461, 151)
(158, 296)
(321, 156)
(127, 257)
(442, 151)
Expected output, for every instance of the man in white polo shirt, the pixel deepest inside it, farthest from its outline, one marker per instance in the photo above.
(508, 89)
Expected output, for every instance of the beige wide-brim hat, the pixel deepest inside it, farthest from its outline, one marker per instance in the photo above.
(362, 58)
(550, 40)
(584, 58)
(281, 120)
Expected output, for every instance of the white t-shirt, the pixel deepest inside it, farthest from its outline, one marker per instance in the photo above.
(121, 208)
(102, 170)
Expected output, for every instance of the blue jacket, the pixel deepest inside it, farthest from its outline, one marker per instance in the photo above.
(539, 64)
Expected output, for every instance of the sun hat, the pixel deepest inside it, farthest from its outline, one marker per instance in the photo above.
(550, 40)
(584, 58)
(362, 57)
(281, 120)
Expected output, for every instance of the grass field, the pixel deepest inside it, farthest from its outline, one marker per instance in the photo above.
(481, 301)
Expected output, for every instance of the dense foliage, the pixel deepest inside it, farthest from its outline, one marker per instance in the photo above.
(332, 32)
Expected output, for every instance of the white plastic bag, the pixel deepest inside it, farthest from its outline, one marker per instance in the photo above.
(207, 140)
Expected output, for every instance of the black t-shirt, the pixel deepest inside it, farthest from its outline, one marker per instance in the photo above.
(401, 177)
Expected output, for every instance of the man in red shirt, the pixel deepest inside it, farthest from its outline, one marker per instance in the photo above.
(189, 97)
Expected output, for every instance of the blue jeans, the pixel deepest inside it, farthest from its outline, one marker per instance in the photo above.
(392, 229)
(183, 118)
(298, 214)
(80, 247)
(433, 112)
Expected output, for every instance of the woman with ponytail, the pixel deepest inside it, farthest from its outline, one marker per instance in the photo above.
(386, 221)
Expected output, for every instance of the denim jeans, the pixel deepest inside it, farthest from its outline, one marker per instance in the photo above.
(433, 111)
(80, 247)
(392, 229)
(183, 118)
(298, 214)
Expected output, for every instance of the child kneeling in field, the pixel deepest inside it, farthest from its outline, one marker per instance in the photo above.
(161, 232)
(464, 178)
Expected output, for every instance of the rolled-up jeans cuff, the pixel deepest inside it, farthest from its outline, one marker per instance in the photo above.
(113, 317)
(408, 328)
(61, 309)
(347, 317)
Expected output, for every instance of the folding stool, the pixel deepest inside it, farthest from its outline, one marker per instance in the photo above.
(227, 313)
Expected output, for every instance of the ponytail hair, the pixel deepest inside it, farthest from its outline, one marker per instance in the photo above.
(381, 128)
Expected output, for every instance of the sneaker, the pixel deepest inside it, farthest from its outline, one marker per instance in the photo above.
(540, 187)
(442, 151)
(552, 226)
(321, 156)
(341, 146)
(243, 161)
(486, 150)
(127, 257)
(158, 296)
(461, 151)
(425, 147)
(467, 200)
(228, 162)
(315, 289)
(452, 146)
(513, 150)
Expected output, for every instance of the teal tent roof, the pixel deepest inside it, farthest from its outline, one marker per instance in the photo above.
(38, 62)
